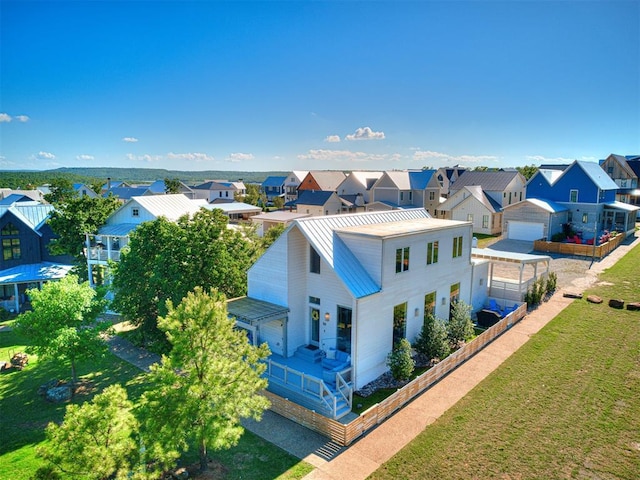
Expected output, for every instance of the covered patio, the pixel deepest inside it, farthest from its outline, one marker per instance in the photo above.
(502, 284)
(620, 217)
(16, 281)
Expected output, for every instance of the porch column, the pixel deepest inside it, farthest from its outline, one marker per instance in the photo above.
(87, 243)
(285, 334)
(520, 282)
(16, 299)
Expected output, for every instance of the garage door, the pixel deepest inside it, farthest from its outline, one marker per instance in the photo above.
(525, 231)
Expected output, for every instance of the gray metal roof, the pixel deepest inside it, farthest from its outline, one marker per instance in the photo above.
(254, 311)
(33, 216)
(489, 181)
(548, 205)
(321, 234)
(510, 257)
(118, 229)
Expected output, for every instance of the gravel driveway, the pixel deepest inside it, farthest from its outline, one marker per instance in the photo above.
(574, 273)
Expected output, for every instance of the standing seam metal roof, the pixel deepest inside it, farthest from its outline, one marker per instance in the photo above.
(321, 234)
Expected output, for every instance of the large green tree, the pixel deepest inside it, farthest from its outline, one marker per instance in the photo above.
(63, 324)
(74, 217)
(210, 381)
(95, 440)
(527, 171)
(165, 260)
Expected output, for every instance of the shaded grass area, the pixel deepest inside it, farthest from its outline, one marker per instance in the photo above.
(565, 405)
(25, 415)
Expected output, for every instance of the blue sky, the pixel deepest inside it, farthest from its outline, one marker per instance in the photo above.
(206, 85)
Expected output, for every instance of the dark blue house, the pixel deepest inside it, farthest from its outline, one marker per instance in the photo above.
(588, 193)
(273, 186)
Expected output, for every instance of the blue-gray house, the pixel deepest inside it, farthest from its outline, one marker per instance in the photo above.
(273, 186)
(589, 195)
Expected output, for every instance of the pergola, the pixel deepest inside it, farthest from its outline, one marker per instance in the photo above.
(251, 313)
(521, 260)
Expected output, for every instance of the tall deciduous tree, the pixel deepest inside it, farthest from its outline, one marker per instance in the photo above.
(527, 171)
(63, 322)
(172, 185)
(166, 260)
(207, 384)
(60, 190)
(95, 440)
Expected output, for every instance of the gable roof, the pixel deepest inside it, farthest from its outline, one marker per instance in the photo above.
(365, 178)
(328, 179)
(489, 181)
(34, 216)
(215, 185)
(547, 205)
(314, 197)
(410, 179)
(478, 193)
(17, 198)
(125, 193)
(299, 176)
(172, 206)
(273, 181)
(321, 234)
(634, 164)
(597, 175)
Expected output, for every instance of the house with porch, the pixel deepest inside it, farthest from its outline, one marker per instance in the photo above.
(273, 187)
(26, 261)
(625, 172)
(333, 293)
(291, 184)
(588, 194)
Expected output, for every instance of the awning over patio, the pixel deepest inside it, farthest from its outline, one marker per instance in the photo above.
(254, 312)
(34, 272)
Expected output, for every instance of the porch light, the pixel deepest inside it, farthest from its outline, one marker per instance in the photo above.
(444, 300)
(416, 312)
(327, 316)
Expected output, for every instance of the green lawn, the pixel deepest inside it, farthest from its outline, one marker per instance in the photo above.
(25, 414)
(566, 405)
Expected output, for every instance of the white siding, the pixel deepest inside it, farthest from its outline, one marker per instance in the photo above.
(273, 334)
(267, 278)
(368, 251)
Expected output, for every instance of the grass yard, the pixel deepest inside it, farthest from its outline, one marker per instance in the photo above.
(566, 405)
(25, 414)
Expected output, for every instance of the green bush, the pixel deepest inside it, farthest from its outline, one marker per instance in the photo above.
(399, 360)
(432, 341)
(460, 326)
(558, 237)
(552, 283)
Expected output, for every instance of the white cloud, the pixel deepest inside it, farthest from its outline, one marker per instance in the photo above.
(85, 157)
(239, 157)
(191, 156)
(143, 158)
(542, 159)
(365, 133)
(130, 139)
(332, 139)
(22, 118)
(343, 155)
(5, 118)
(45, 156)
(422, 155)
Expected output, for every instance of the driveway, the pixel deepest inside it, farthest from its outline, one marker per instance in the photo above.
(574, 273)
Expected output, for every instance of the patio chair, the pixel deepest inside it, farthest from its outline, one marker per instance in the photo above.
(493, 305)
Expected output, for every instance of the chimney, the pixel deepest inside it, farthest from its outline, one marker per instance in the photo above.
(108, 183)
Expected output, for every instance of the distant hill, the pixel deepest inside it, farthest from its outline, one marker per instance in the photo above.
(25, 178)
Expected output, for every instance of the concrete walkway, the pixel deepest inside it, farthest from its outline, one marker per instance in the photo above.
(366, 455)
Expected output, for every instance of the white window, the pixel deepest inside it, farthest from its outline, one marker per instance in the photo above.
(485, 221)
(573, 196)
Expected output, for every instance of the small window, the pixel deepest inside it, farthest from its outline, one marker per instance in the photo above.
(469, 217)
(314, 260)
(402, 259)
(10, 229)
(573, 196)
(314, 300)
(485, 221)
(457, 247)
(11, 249)
(401, 196)
(585, 218)
(411, 196)
(135, 212)
(432, 252)
(432, 195)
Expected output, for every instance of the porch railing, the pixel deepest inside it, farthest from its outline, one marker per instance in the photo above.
(312, 386)
(102, 255)
(509, 290)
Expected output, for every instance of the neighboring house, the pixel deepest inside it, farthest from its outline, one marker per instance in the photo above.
(26, 261)
(218, 190)
(159, 187)
(113, 184)
(407, 189)
(323, 180)
(504, 187)
(265, 221)
(588, 193)
(358, 183)
(473, 205)
(291, 184)
(446, 176)
(35, 195)
(105, 246)
(84, 190)
(534, 219)
(317, 203)
(355, 284)
(273, 186)
(625, 172)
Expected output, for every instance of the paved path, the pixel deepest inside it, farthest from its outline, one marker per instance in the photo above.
(368, 453)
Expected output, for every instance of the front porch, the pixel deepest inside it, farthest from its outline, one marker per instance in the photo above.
(301, 377)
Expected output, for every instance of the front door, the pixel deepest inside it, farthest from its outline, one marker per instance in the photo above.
(315, 326)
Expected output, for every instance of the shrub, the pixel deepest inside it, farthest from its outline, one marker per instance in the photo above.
(432, 341)
(460, 326)
(558, 237)
(399, 360)
(552, 283)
